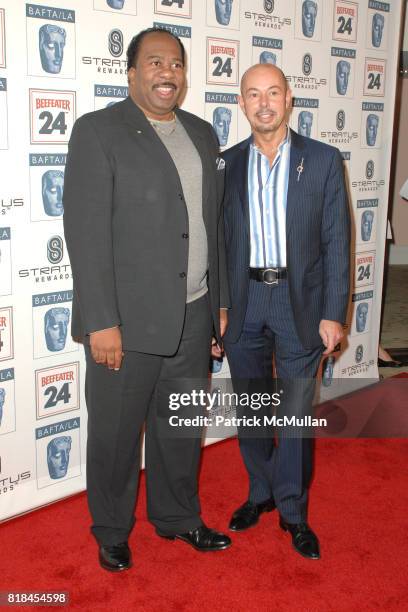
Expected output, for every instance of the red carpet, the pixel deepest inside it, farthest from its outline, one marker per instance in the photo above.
(379, 410)
(358, 507)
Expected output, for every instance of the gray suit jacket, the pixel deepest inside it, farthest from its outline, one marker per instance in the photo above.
(126, 223)
(317, 236)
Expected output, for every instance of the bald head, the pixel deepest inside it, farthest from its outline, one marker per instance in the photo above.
(263, 71)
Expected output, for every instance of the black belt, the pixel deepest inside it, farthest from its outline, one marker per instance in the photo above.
(270, 276)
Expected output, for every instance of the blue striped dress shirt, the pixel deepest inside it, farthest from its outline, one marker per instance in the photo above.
(267, 193)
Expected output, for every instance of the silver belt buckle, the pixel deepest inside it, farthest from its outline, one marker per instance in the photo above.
(273, 282)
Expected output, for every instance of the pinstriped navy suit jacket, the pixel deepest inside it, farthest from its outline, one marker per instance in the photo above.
(317, 236)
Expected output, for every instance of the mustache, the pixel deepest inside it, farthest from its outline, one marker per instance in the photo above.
(165, 84)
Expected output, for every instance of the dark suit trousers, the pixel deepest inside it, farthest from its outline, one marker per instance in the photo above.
(119, 403)
(280, 468)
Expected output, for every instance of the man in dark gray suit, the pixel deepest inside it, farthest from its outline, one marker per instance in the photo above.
(287, 234)
(143, 224)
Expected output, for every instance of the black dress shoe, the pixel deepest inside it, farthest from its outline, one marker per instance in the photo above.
(202, 538)
(115, 558)
(304, 541)
(248, 514)
(389, 364)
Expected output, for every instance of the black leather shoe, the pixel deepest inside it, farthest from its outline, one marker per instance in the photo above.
(248, 514)
(389, 364)
(115, 558)
(202, 538)
(304, 541)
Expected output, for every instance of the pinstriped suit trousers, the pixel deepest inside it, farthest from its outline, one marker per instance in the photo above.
(282, 469)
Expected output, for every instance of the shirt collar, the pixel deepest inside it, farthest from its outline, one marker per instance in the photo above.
(284, 142)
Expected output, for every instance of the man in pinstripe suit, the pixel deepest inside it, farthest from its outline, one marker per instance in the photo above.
(287, 236)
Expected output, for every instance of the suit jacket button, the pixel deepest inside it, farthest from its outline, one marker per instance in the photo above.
(182, 275)
(180, 196)
(184, 235)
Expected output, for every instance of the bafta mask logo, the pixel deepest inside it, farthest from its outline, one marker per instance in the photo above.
(51, 40)
(372, 129)
(58, 450)
(223, 9)
(361, 316)
(216, 366)
(221, 124)
(377, 28)
(115, 4)
(367, 220)
(267, 57)
(52, 187)
(309, 14)
(56, 321)
(343, 69)
(305, 122)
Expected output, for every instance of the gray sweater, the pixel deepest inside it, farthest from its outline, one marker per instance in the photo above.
(188, 164)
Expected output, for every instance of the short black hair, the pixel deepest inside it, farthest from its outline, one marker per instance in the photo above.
(134, 45)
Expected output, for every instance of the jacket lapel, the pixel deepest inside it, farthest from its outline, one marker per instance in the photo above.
(297, 168)
(241, 174)
(141, 127)
(145, 133)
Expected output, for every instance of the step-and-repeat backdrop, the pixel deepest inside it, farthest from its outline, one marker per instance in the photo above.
(63, 59)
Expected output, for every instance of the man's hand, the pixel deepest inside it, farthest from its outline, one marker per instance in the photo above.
(223, 321)
(106, 347)
(217, 351)
(331, 332)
